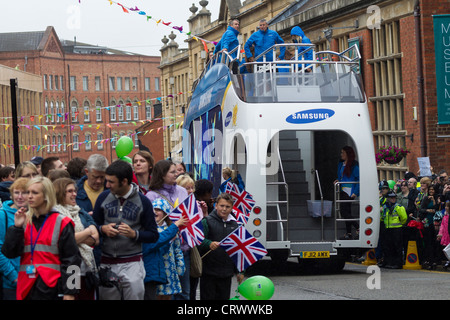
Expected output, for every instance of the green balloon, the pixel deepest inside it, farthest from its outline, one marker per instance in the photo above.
(391, 184)
(124, 146)
(127, 159)
(257, 288)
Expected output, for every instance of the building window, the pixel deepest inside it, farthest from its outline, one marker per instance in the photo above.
(56, 82)
(59, 143)
(73, 83)
(88, 142)
(87, 116)
(76, 143)
(64, 143)
(54, 143)
(136, 140)
(49, 142)
(97, 84)
(157, 84)
(100, 142)
(61, 82)
(45, 82)
(74, 111)
(52, 112)
(119, 84)
(50, 82)
(136, 112)
(98, 112)
(388, 99)
(85, 83)
(120, 109)
(128, 111)
(112, 84)
(63, 112)
(148, 112)
(134, 85)
(147, 84)
(114, 137)
(113, 113)
(57, 114)
(46, 111)
(127, 84)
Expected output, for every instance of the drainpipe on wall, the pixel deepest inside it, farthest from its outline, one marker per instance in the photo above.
(423, 140)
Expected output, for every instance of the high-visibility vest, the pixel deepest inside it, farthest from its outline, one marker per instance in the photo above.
(395, 218)
(45, 254)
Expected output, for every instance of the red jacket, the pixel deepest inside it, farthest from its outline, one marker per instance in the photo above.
(45, 254)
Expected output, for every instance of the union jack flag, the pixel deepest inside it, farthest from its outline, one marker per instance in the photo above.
(192, 231)
(239, 215)
(243, 248)
(242, 199)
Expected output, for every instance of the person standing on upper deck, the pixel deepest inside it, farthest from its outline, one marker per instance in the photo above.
(298, 36)
(262, 40)
(229, 39)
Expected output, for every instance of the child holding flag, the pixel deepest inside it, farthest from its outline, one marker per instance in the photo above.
(162, 282)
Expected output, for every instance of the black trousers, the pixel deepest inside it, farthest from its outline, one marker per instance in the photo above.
(393, 247)
(346, 212)
(213, 288)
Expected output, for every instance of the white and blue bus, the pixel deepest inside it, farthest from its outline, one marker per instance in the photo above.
(282, 125)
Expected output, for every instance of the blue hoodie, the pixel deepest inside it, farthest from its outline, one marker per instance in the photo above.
(9, 268)
(263, 41)
(228, 41)
(297, 31)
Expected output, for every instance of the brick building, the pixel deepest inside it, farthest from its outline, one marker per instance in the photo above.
(396, 42)
(29, 95)
(91, 95)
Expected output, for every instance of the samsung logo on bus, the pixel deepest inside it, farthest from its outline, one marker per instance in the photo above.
(309, 116)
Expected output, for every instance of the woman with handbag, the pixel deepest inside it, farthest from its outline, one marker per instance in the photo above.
(86, 234)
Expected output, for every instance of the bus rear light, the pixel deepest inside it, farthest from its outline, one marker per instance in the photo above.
(368, 232)
(257, 233)
(368, 220)
(257, 222)
(257, 210)
(369, 209)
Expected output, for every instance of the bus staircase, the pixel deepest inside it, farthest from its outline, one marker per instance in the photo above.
(288, 220)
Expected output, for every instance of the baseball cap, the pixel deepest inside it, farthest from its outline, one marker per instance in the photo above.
(37, 160)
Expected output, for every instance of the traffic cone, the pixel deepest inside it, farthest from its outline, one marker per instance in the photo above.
(412, 258)
(370, 258)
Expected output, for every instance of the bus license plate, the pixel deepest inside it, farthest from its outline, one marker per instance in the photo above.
(314, 254)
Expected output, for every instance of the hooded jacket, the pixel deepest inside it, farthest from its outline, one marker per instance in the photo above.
(9, 268)
(297, 31)
(228, 41)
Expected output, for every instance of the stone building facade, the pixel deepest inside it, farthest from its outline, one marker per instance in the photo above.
(398, 68)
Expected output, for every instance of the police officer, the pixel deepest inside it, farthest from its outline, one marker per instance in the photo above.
(394, 218)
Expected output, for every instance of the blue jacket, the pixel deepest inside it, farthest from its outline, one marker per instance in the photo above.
(228, 41)
(354, 176)
(155, 269)
(9, 268)
(240, 183)
(262, 41)
(82, 197)
(5, 195)
(297, 31)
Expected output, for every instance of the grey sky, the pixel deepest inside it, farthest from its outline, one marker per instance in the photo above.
(99, 23)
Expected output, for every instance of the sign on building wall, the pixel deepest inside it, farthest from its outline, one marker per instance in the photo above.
(442, 55)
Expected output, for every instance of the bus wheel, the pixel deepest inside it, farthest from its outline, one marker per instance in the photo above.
(279, 255)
